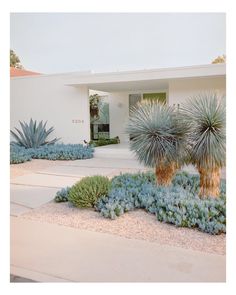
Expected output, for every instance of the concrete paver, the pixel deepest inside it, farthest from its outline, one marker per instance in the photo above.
(17, 279)
(84, 256)
(34, 275)
(76, 171)
(101, 163)
(31, 196)
(16, 209)
(45, 180)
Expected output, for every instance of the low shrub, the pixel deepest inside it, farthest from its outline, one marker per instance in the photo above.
(50, 152)
(19, 154)
(63, 152)
(86, 192)
(187, 182)
(130, 180)
(178, 204)
(208, 215)
(62, 195)
(105, 141)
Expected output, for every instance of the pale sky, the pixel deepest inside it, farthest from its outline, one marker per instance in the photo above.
(68, 42)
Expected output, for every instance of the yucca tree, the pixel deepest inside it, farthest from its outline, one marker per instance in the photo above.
(33, 135)
(205, 114)
(158, 138)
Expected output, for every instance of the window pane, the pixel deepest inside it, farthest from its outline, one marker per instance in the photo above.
(161, 97)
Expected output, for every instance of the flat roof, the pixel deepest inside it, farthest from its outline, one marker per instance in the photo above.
(89, 77)
(151, 74)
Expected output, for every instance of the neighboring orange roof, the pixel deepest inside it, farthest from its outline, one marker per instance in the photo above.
(21, 72)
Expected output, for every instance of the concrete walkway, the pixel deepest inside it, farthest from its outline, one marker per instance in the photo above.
(66, 254)
(51, 253)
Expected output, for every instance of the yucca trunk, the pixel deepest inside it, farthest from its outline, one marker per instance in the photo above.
(209, 182)
(165, 173)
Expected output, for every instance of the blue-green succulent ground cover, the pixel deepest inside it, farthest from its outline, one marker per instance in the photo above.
(177, 204)
(19, 154)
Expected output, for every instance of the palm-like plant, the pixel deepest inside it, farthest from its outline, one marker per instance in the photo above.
(33, 135)
(205, 114)
(158, 138)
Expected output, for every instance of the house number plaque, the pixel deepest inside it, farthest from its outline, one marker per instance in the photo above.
(77, 121)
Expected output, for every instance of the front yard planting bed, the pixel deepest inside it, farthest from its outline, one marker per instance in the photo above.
(177, 204)
(53, 152)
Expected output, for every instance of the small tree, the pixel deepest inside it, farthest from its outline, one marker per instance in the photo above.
(158, 138)
(219, 59)
(94, 102)
(205, 114)
(14, 60)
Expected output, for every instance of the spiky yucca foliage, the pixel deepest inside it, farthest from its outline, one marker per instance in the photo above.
(33, 135)
(158, 138)
(205, 114)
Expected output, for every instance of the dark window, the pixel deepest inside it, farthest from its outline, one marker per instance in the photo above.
(103, 127)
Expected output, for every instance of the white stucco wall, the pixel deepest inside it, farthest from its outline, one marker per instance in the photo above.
(119, 114)
(47, 98)
(182, 89)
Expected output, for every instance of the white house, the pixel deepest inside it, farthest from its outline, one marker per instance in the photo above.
(63, 99)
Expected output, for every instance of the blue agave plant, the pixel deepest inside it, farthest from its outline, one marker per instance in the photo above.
(33, 135)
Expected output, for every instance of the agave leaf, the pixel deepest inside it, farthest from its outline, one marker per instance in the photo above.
(38, 134)
(50, 130)
(35, 126)
(23, 140)
(52, 141)
(42, 134)
(18, 139)
(27, 135)
(33, 132)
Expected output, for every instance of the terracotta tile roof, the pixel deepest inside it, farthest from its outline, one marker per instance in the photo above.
(21, 72)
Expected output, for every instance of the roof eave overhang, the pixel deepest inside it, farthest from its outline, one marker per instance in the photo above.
(155, 74)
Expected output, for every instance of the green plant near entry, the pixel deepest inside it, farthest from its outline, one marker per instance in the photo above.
(50, 152)
(62, 195)
(205, 114)
(105, 141)
(158, 138)
(86, 192)
(177, 204)
(33, 135)
(94, 103)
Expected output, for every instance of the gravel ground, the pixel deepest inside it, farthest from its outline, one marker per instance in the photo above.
(137, 224)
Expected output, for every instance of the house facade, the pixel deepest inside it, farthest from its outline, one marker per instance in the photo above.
(63, 99)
